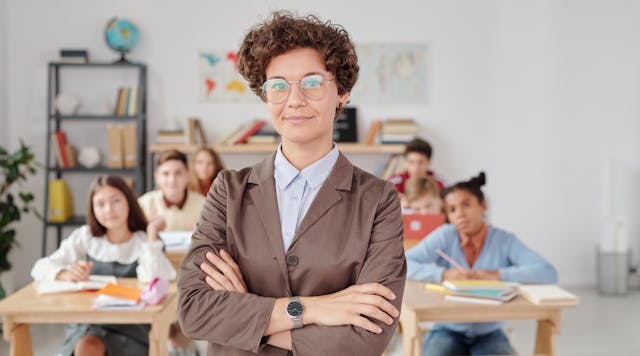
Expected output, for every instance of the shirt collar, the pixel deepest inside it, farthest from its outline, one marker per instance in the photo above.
(179, 205)
(315, 174)
(476, 240)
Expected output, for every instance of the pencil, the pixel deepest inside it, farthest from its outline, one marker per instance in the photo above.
(449, 259)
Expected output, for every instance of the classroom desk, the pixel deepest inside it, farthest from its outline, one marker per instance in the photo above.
(420, 305)
(26, 307)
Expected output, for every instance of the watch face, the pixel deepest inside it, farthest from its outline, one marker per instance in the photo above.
(295, 309)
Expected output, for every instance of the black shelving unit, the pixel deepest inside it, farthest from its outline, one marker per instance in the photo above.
(54, 123)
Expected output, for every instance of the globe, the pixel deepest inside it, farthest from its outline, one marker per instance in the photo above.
(121, 35)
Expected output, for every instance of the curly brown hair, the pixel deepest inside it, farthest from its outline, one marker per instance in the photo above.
(285, 32)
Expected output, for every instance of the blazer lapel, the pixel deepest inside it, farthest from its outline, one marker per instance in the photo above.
(263, 194)
(339, 179)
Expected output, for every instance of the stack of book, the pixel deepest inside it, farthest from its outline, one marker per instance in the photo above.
(264, 135)
(127, 101)
(122, 146)
(398, 131)
(195, 132)
(171, 136)
(66, 155)
(480, 291)
(394, 165)
(74, 56)
(114, 296)
(241, 134)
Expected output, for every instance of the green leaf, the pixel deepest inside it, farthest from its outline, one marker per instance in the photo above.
(26, 197)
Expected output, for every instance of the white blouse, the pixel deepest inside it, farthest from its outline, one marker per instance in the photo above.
(152, 261)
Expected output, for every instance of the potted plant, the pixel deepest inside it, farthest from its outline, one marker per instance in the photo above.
(15, 168)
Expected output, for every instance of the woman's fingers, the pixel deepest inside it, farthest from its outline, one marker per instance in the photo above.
(380, 304)
(374, 288)
(366, 324)
(213, 284)
(227, 270)
(217, 276)
(227, 258)
(373, 312)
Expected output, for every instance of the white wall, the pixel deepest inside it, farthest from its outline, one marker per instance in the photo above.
(3, 72)
(536, 93)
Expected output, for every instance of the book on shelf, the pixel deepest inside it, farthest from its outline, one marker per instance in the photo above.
(395, 164)
(262, 139)
(74, 55)
(95, 282)
(195, 132)
(60, 144)
(224, 140)
(546, 294)
(115, 154)
(252, 129)
(373, 132)
(127, 101)
(132, 101)
(345, 128)
(129, 142)
(171, 136)
(398, 131)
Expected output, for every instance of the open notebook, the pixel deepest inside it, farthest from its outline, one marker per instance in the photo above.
(548, 294)
(95, 282)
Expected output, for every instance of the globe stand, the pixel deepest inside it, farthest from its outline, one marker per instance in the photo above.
(122, 59)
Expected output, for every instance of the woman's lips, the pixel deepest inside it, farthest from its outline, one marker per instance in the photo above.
(297, 119)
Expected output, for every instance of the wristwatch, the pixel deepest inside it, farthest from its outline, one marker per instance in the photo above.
(295, 310)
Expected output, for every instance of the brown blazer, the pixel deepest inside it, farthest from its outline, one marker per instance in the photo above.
(352, 234)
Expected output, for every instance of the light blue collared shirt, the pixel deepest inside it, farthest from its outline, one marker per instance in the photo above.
(297, 189)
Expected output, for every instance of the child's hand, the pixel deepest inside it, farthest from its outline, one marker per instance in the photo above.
(157, 224)
(79, 271)
(485, 274)
(456, 273)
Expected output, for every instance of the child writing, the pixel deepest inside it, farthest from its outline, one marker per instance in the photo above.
(421, 196)
(113, 242)
(484, 252)
(203, 169)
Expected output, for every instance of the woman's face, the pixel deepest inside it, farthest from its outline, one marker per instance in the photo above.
(172, 177)
(464, 211)
(110, 207)
(204, 166)
(298, 119)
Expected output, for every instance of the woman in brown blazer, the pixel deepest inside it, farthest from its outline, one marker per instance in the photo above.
(300, 254)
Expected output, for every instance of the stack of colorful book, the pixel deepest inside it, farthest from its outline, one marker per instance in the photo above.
(398, 131)
(480, 291)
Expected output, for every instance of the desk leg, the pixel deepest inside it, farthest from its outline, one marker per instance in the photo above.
(410, 334)
(19, 336)
(545, 343)
(158, 339)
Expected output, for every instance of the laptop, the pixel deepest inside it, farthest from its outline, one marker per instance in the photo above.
(418, 226)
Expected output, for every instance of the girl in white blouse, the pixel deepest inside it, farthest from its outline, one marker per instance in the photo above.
(114, 242)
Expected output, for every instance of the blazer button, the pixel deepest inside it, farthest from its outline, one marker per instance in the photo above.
(292, 260)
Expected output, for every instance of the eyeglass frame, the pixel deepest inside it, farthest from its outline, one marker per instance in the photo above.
(263, 92)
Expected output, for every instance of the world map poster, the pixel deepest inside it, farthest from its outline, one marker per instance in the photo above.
(391, 74)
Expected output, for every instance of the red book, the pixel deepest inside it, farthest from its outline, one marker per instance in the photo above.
(252, 130)
(61, 141)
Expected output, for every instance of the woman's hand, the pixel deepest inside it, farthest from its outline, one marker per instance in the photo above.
(223, 273)
(79, 271)
(485, 274)
(456, 273)
(351, 306)
(157, 224)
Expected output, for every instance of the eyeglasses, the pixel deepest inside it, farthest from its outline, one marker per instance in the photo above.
(312, 87)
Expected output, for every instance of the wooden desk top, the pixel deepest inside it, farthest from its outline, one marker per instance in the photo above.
(432, 306)
(26, 306)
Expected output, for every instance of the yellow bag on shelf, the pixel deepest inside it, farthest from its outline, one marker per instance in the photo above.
(60, 202)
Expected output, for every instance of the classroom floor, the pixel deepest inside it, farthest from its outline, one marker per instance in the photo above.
(599, 326)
